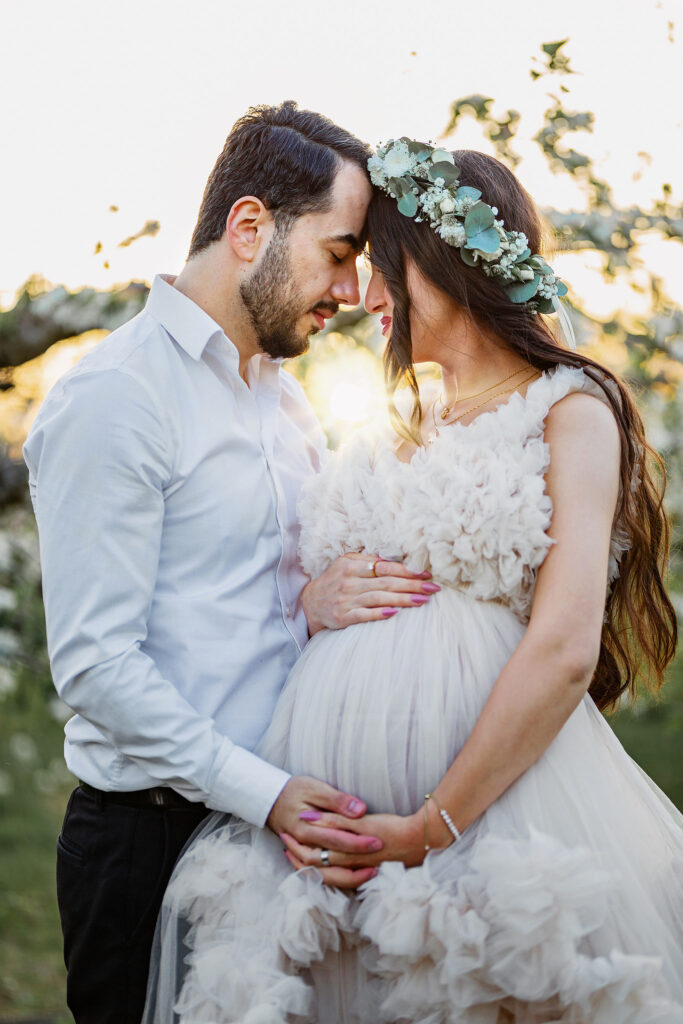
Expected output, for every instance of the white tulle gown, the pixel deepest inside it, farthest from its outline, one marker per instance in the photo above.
(564, 901)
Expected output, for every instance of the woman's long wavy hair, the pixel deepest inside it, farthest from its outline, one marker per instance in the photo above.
(639, 632)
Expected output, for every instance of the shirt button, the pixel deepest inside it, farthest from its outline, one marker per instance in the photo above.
(288, 612)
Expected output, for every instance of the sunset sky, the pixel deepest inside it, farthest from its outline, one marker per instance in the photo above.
(127, 104)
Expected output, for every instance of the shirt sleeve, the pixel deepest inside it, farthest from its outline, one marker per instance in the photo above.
(100, 459)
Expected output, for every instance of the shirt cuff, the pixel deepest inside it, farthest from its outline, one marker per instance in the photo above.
(247, 786)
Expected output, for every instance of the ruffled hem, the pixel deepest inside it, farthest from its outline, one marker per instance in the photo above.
(508, 930)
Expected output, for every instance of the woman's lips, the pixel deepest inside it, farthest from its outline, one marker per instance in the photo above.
(386, 324)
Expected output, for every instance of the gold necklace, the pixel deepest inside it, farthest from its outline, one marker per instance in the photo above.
(506, 391)
(468, 398)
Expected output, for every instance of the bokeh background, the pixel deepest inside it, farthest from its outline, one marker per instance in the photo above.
(112, 116)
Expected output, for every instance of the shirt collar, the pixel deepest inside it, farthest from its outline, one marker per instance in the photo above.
(185, 321)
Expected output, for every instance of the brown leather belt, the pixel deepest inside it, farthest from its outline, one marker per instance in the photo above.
(160, 796)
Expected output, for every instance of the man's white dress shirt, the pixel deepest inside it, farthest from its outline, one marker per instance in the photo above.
(165, 493)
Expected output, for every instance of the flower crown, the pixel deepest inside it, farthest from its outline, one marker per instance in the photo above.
(424, 180)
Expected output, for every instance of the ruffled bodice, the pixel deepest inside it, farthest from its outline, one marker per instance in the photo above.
(471, 507)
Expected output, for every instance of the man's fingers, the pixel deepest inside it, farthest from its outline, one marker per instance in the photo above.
(340, 878)
(310, 856)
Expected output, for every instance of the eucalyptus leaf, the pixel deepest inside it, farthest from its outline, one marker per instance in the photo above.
(418, 150)
(468, 192)
(442, 156)
(468, 257)
(561, 288)
(545, 306)
(407, 205)
(523, 256)
(487, 241)
(523, 291)
(479, 218)
(448, 172)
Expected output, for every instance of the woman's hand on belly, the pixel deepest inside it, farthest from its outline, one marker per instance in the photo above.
(362, 588)
(403, 839)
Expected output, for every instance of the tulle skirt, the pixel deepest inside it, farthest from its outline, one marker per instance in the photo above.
(563, 902)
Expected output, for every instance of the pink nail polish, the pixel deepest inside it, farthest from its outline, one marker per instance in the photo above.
(355, 806)
(430, 588)
(419, 600)
(376, 844)
(386, 612)
(423, 575)
(310, 815)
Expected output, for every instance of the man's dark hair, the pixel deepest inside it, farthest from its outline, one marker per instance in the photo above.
(286, 157)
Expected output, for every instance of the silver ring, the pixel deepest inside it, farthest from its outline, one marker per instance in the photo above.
(325, 858)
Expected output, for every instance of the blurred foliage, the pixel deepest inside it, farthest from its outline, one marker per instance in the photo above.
(34, 784)
(342, 375)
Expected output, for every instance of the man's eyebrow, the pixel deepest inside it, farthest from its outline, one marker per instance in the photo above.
(348, 239)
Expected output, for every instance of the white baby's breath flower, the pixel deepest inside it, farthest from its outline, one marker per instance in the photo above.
(397, 162)
(376, 168)
(453, 234)
(447, 204)
(525, 273)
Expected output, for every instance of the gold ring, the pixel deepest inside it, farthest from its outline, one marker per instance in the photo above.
(374, 567)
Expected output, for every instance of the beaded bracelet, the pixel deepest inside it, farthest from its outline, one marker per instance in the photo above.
(445, 816)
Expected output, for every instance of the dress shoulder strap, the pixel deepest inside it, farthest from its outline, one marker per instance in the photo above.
(555, 385)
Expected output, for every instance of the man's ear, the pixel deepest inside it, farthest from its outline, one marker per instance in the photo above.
(248, 227)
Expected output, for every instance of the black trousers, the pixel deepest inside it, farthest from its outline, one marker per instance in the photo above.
(113, 864)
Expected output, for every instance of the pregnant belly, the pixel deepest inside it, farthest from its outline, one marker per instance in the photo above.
(381, 709)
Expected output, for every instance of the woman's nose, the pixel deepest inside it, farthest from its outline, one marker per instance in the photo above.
(375, 296)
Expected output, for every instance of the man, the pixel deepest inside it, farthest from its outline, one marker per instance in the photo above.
(164, 474)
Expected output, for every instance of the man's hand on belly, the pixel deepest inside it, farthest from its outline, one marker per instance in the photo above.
(295, 817)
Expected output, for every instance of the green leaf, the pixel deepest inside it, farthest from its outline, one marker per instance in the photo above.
(442, 156)
(448, 172)
(407, 205)
(468, 258)
(545, 306)
(552, 48)
(468, 192)
(523, 256)
(486, 241)
(479, 218)
(561, 288)
(523, 291)
(419, 150)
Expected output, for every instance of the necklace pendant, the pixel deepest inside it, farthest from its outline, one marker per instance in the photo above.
(445, 412)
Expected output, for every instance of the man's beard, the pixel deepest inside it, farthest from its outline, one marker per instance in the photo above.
(275, 304)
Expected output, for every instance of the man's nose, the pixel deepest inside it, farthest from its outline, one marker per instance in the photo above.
(347, 289)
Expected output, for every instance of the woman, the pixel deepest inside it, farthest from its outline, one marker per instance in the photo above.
(530, 871)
